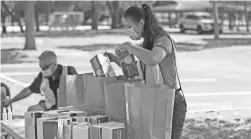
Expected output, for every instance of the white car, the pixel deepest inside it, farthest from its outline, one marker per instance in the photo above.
(199, 21)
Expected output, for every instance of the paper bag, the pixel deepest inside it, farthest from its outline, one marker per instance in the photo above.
(82, 89)
(150, 110)
(115, 100)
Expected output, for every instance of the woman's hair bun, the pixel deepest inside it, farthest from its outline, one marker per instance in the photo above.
(145, 6)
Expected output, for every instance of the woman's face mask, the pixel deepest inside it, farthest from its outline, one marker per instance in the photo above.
(132, 34)
(133, 30)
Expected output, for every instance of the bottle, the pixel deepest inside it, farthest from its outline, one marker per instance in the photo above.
(9, 113)
(9, 137)
(5, 118)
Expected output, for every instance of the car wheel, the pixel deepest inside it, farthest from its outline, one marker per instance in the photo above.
(182, 29)
(199, 30)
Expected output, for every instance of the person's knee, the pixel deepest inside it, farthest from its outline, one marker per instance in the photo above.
(35, 108)
(31, 108)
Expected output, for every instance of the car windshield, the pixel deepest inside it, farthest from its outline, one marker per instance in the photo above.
(205, 17)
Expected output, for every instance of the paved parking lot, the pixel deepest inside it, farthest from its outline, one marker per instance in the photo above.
(213, 79)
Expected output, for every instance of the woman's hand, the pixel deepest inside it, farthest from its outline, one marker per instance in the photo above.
(125, 45)
(112, 58)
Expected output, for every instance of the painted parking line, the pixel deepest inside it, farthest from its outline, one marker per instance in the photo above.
(218, 109)
(190, 95)
(235, 93)
(182, 80)
(12, 80)
(30, 65)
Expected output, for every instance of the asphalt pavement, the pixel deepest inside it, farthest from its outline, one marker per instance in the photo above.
(212, 79)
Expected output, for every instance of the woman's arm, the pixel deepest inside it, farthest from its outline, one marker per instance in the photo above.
(150, 58)
(161, 48)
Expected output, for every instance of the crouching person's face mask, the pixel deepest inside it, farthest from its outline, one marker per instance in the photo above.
(48, 70)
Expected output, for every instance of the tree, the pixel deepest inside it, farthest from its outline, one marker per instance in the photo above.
(15, 12)
(3, 17)
(246, 15)
(29, 22)
(114, 8)
(36, 12)
(94, 15)
(216, 22)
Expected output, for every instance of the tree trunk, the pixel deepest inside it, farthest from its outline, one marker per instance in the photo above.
(121, 11)
(36, 18)
(170, 19)
(29, 22)
(21, 26)
(115, 14)
(114, 10)
(246, 16)
(238, 22)
(230, 26)
(216, 25)
(48, 11)
(94, 15)
(12, 21)
(4, 29)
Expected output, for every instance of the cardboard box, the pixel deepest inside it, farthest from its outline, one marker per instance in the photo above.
(64, 128)
(50, 129)
(97, 119)
(113, 130)
(109, 130)
(76, 113)
(64, 113)
(40, 128)
(128, 63)
(80, 130)
(96, 131)
(80, 119)
(57, 128)
(102, 66)
(31, 124)
(54, 113)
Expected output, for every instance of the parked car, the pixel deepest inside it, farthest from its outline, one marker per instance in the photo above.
(199, 21)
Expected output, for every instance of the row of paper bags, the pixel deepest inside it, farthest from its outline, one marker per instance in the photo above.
(145, 109)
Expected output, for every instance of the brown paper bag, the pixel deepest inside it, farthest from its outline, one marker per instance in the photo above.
(115, 99)
(82, 89)
(150, 110)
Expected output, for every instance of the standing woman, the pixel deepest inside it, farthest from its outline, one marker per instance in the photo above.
(157, 49)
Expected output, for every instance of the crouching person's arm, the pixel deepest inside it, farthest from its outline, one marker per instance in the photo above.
(22, 95)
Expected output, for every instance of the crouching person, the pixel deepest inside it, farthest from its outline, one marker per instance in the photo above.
(46, 83)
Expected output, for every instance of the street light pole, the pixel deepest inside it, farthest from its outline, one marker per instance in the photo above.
(215, 14)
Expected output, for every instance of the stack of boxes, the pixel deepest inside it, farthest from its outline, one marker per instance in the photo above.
(71, 125)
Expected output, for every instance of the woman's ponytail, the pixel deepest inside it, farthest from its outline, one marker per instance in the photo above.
(149, 17)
